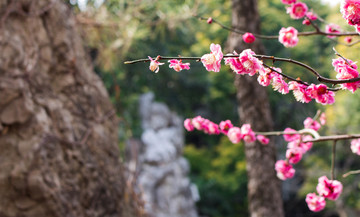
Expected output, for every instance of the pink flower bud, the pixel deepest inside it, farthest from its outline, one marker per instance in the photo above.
(248, 38)
(348, 39)
(209, 20)
(306, 22)
(262, 139)
(188, 125)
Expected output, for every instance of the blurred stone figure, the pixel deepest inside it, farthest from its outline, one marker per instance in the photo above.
(167, 191)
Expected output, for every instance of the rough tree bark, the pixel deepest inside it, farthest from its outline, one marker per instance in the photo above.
(264, 189)
(58, 131)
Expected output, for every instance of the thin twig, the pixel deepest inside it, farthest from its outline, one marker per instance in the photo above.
(351, 173)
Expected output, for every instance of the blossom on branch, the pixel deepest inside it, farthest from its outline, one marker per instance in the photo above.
(299, 92)
(234, 135)
(225, 126)
(265, 76)
(188, 125)
(262, 139)
(346, 70)
(330, 189)
(248, 133)
(291, 137)
(332, 28)
(212, 61)
(288, 36)
(235, 64)
(177, 65)
(251, 64)
(154, 64)
(279, 84)
(294, 155)
(284, 170)
(310, 123)
(315, 203)
(350, 10)
(297, 10)
(321, 94)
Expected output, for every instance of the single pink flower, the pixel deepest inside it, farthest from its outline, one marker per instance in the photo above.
(154, 64)
(248, 38)
(350, 10)
(330, 189)
(297, 10)
(212, 61)
(355, 146)
(235, 64)
(315, 203)
(265, 76)
(234, 135)
(303, 146)
(288, 2)
(311, 15)
(288, 36)
(188, 125)
(248, 134)
(310, 123)
(209, 20)
(284, 170)
(291, 137)
(262, 139)
(225, 126)
(321, 94)
(197, 122)
(332, 28)
(250, 63)
(177, 65)
(294, 155)
(279, 84)
(210, 127)
(322, 118)
(299, 92)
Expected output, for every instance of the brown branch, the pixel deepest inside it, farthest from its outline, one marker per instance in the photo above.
(351, 173)
(333, 160)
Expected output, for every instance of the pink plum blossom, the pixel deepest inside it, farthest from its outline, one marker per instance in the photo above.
(294, 155)
(212, 61)
(265, 76)
(154, 64)
(197, 122)
(235, 64)
(346, 71)
(209, 20)
(310, 123)
(288, 2)
(315, 203)
(350, 10)
(177, 65)
(299, 91)
(288, 36)
(279, 84)
(303, 146)
(291, 137)
(306, 22)
(188, 125)
(234, 135)
(284, 170)
(262, 139)
(248, 38)
(355, 146)
(321, 94)
(248, 134)
(210, 127)
(225, 126)
(332, 28)
(311, 15)
(297, 10)
(330, 189)
(250, 63)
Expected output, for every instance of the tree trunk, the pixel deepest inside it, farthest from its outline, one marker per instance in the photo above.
(58, 131)
(264, 188)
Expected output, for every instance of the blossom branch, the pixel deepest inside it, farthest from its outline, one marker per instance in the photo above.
(309, 33)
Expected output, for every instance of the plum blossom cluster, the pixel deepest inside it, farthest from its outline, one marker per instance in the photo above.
(350, 10)
(326, 189)
(346, 70)
(235, 134)
(296, 147)
(247, 64)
